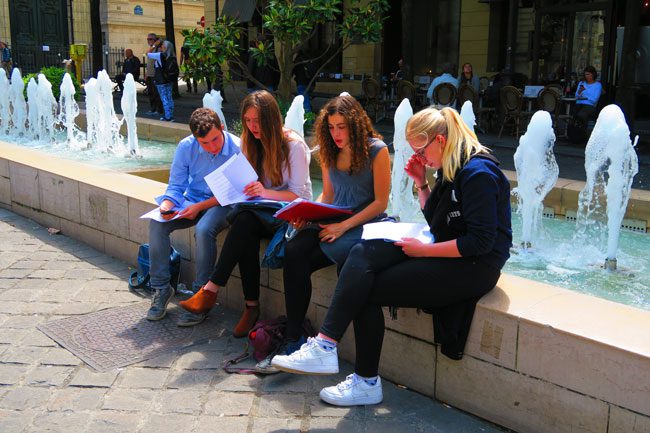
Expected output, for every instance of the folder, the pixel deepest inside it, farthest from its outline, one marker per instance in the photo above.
(310, 211)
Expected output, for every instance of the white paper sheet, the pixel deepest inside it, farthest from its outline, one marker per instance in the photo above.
(228, 181)
(396, 231)
(154, 214)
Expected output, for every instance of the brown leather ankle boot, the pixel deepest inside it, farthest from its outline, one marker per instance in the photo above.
(247, 320)
(201, 302)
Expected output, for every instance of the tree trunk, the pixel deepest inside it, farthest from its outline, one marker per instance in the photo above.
(169, 22)
(96, 35)
(285, 62)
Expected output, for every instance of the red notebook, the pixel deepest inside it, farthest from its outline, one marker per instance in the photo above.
(310, 211)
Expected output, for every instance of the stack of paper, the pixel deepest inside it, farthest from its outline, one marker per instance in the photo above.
(396, 231)
(228, 181)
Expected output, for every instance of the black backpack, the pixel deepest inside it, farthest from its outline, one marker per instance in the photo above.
(170, 70)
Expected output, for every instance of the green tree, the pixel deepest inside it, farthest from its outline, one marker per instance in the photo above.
(292, 24)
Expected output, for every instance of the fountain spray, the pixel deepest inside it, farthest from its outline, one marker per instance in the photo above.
(537, 173)
(610, 164)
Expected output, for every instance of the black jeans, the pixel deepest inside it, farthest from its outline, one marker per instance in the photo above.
(377, 273)
(241, 247)
(302, 257)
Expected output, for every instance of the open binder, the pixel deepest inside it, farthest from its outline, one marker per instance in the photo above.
(310, 211)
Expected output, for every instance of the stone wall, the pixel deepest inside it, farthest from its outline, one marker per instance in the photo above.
(539, 358)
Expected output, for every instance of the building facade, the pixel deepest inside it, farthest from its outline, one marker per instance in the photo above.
(41, 31)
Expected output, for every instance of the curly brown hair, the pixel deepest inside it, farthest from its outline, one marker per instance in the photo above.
(359, 125)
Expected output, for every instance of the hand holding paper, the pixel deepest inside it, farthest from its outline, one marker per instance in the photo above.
(392, 231)
(228, 182)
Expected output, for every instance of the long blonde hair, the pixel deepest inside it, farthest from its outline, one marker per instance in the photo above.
(461, 141)
(268, 153)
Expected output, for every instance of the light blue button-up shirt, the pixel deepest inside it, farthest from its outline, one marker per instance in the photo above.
(190, 165)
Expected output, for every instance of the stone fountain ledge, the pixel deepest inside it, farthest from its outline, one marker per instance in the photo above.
(539, 358)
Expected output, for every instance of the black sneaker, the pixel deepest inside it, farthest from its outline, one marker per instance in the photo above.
(159, 301)
(190, 319)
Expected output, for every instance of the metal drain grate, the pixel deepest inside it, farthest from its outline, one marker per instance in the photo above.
(120, 336)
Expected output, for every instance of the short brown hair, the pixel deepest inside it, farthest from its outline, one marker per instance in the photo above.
(202, 121)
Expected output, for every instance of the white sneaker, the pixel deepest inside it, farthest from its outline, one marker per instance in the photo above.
(353, 391)
(311, 358)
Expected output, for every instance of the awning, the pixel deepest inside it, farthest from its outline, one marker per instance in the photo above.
(241, 10)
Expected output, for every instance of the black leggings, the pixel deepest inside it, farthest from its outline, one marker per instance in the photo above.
(303, 256)
(242, 247)
(377, 273)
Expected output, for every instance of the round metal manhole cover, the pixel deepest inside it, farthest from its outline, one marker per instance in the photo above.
(124, 330)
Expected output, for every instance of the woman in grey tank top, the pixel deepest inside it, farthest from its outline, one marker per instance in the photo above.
(356, 174)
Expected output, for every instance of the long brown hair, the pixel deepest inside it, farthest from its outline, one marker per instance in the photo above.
(359, 126)
(268, 153)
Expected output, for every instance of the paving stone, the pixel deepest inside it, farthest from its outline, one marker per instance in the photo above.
(107, 421)
(236, 382)
(18, 295)
(11, 374)
(281, 405)
(276, 425)
(143, 378)
(19, 321)
(331, 425)
(89, 378)
(29, 264)
(390, 425)
(60, 265)
(37, 339)
(15, 273)
(287, 383)
(200, 360)
(60, 356)
(162, 361)
(76, 309)
(13, 421)
(76, 399)
(173, 423)
(48, 375)
(178, 401)
(207, 424)
(25, 398)
(319, 408)
(7, 283)
(59, 422)
(46, 255)
(36, 308)
(24, 355)
(131, 400)
(183, 379)
(229, 403)
(12, 336)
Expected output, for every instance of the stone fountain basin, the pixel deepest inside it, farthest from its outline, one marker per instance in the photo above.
(539, 358)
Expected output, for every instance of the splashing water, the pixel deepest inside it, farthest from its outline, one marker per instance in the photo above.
(295, 118)
(403, 202)
(32, 96)
(129, 105)
(537, 173)
(5, 112)
(18, 104)
(103, 126)
(610, 164)
(47, 108)
(68, 113)
(467, 114)
(214, 101)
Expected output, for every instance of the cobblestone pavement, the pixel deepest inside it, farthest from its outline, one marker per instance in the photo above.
(44, 388)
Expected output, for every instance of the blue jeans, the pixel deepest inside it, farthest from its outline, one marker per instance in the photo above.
(302, 90)
(165, 91)
(208, 225)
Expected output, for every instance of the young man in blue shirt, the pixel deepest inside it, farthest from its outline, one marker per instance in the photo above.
(189, 198)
